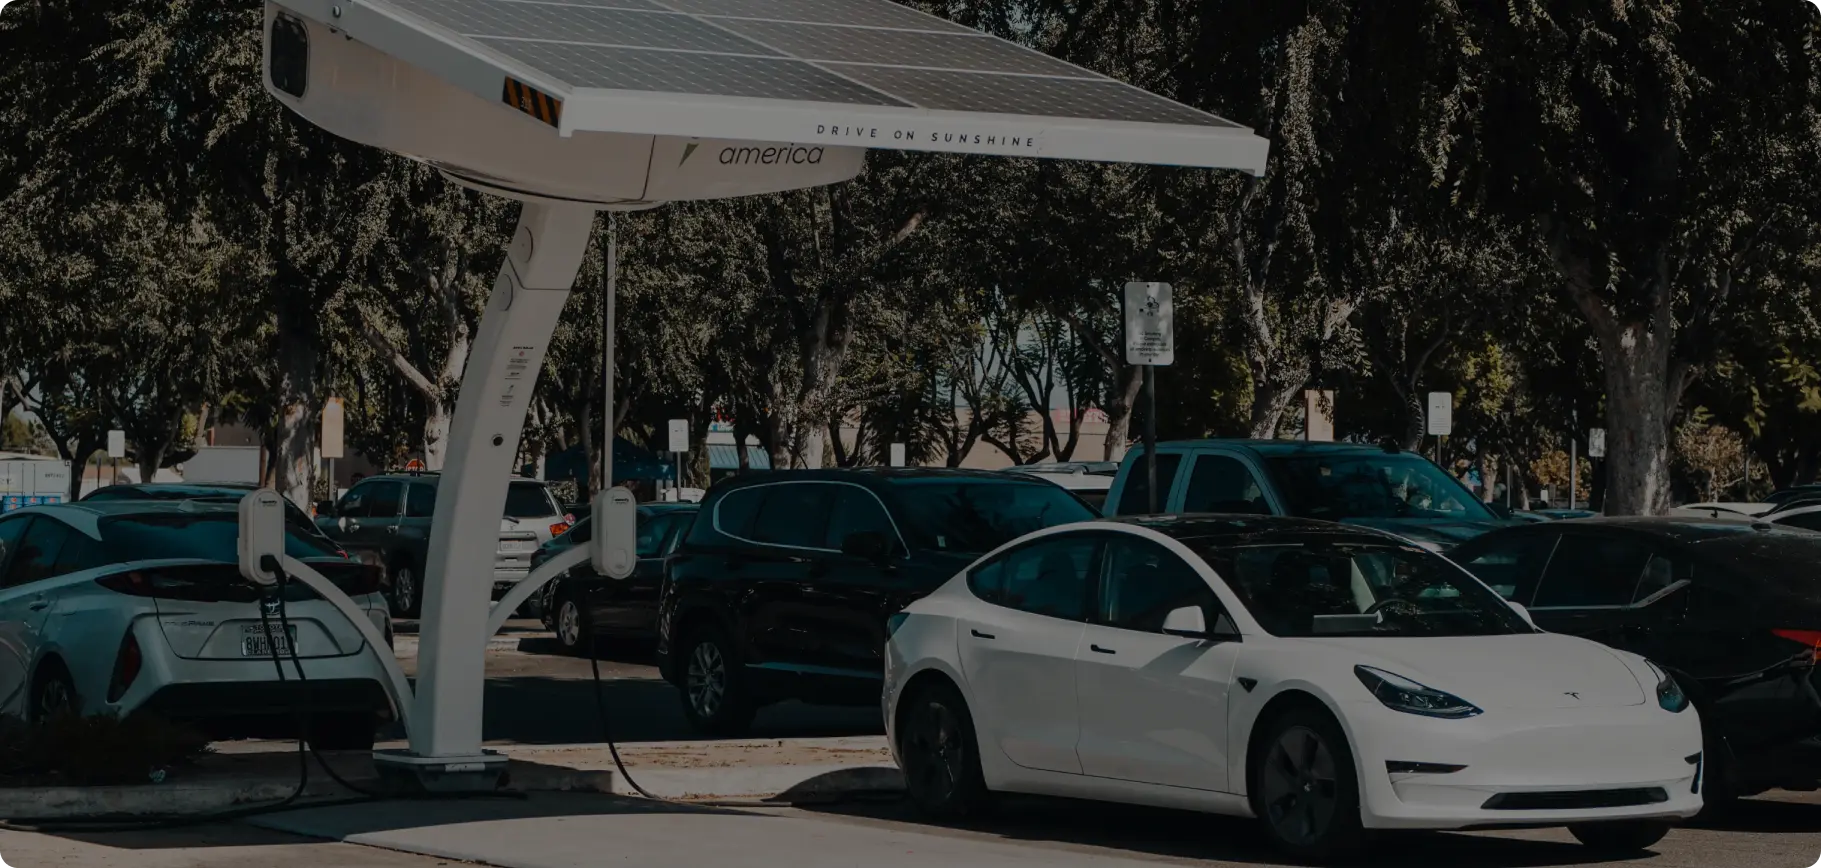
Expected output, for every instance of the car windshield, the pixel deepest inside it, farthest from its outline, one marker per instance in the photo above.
(977, 516)
(1331, 589)
(530, 500)
(175, 536)
(1387, 485)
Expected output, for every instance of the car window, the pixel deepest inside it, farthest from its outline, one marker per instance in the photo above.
(679, 526)
(80, 552)
(11, 531)
(1050, 577)
(1592, 571)
(1805, 521)
(1136, 498)
(1142, 582)
(1512, 565)
(652, 531)
(357, 503)
(36, 559)
(987, 581)
(210, 537)
(384, 501)
(857, 510)
(734, 513)
(795, 514)
(976, 516)
(1377, 485)
(1221, 483)
(420, 500)
(530, 500)
(1659, 573)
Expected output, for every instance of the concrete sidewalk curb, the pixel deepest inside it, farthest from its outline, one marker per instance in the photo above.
(783, 785)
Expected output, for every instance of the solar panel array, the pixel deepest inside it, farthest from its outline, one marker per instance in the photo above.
(865, 52)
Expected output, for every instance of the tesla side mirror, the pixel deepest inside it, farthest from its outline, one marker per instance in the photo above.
(869, 545)
(1522, 612)
(326, 509)
(1188, 621)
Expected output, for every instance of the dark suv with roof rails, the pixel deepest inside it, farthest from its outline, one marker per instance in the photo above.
(783, 587)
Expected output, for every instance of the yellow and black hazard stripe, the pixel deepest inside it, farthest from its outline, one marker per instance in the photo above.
(534, 102)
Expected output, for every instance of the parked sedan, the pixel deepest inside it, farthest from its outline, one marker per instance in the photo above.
(581, 603)
(1326, 680)
(1728, 606)
(117, 606)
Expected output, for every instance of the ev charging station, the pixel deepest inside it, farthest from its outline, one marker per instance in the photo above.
(577, 106)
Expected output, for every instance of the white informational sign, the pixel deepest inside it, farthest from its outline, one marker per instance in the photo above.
(679, 435)
(1320, 416)
(116, 444)
(332, 447)
(1596, 443)
(1150, 332)
(1441, 414)
(898, 458)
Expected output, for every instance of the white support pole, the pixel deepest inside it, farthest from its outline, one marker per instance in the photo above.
(607, 349)
(502, 372)
(399, 686)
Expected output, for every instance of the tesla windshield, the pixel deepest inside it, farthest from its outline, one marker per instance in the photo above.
(1326, 589)
(1386, 485)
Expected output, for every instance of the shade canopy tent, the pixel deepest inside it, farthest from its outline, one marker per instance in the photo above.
(574, 106)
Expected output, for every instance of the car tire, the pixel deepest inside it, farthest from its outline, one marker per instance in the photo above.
(941, 754)
(1719, 789)
(1621, 838)
(573, 633)
(716, 699)
(344, 732)
(406, 590)
(53, 692)
(1304, 789)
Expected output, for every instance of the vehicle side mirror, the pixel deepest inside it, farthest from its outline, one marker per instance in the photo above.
(326, 509)
(1522, 612)
(869, 545)
(1188, 621)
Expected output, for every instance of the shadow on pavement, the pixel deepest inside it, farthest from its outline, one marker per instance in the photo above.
(1764, 816)
(542, 710)
(1155, 832)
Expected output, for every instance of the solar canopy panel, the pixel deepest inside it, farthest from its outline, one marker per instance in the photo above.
(870, 73)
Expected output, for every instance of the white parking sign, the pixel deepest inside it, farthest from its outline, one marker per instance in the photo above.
(1149, 327)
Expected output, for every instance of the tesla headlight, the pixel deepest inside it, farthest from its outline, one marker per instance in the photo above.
(1401, 694)
(1669, 693)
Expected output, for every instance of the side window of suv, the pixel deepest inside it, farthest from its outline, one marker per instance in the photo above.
(357, 502)
(420, 500)
(1221, 483)
(384, 501)
(1592, 572)
(1136, 498)
(735, 511)
(795, 515)
(858, 510)
(1511, 566)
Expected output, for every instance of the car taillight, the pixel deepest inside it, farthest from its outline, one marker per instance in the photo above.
(126, 667)
(559, 529)
(1811, 638)
(134, 584)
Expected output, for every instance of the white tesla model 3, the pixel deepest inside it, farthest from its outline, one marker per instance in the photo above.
(1326, 680)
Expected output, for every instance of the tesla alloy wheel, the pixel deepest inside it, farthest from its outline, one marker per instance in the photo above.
(941, 755)
(1303, 786)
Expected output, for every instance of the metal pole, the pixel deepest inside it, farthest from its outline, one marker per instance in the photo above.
(607, 328)
(1150, 434)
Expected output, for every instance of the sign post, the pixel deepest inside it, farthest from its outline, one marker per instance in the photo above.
(1150, 340)
(1441, 419)
(679, 445)
(116, 450)
(332, 445)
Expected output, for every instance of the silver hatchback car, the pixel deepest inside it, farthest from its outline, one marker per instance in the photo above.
(130, 605)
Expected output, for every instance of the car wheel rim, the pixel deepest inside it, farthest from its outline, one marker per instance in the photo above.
(405, 585)
(54, 699)
(707, 679)
(1300, 787)
(936, 754)
(569, 625)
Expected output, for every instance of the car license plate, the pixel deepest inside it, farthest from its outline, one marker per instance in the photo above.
(254, 640)
(518, 545)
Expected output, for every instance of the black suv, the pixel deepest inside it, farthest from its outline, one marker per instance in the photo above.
(783, 587)
(386, 520)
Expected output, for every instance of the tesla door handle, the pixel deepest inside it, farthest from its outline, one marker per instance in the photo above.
(980, 635)
(1100, 650)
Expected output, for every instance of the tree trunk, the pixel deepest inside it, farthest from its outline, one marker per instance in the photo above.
(1119, 411)
(1270, 400)
(1415, 411)
(437, 418)
(298, 400)
(1639, 400)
